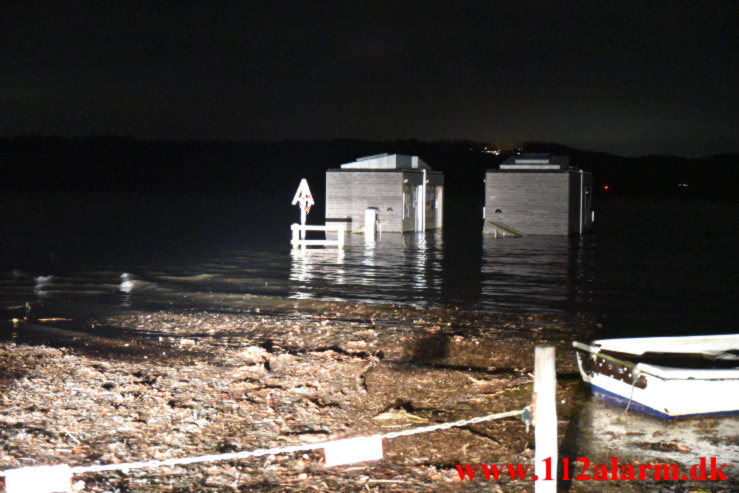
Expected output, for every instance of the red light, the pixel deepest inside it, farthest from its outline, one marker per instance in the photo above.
(606, 187)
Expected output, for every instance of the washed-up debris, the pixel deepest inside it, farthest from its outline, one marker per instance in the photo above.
(672, 446)
(399, 415)
(161, 385)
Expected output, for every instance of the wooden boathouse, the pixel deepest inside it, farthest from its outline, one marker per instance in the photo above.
(391, 192)
(537, 194)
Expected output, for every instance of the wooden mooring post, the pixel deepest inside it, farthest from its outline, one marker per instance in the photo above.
(545, 420)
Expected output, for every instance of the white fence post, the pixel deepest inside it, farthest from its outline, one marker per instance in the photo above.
(295, 241)
(545, 420)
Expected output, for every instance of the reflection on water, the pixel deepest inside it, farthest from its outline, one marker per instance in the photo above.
(397, 268)
(310, 265)
(550, 271)
(534, 274)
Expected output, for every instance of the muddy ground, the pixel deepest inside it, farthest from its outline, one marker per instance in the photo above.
(160, 385)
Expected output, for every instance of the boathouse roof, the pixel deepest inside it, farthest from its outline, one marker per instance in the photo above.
(387, 161)
(536, 162)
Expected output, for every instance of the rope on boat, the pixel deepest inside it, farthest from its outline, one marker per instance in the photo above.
(635, 376)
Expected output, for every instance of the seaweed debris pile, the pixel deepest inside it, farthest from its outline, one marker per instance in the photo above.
(163, 384)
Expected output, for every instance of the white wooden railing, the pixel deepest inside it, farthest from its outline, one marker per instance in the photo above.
(299, 235)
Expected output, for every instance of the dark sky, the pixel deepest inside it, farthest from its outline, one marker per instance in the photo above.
(627, 77)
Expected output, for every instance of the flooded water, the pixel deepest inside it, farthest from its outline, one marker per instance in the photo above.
(650, 267)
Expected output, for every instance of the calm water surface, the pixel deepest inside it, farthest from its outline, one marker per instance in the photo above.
(650, 267)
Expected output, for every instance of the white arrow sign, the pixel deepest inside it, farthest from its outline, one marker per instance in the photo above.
(303, 194)
(305, 199)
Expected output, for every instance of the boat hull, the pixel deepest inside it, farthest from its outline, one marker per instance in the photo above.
(638, 407)
(656, 390)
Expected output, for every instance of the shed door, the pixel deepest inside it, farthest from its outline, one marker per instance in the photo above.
(438, 206)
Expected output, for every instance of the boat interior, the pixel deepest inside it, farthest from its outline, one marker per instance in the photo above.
(724, 360)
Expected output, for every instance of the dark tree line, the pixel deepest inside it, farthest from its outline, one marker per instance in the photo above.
(36, 163)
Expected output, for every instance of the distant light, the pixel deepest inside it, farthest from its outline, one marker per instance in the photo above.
(682, 185)
(606, 187)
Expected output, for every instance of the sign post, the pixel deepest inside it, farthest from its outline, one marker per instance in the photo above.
(304, 198)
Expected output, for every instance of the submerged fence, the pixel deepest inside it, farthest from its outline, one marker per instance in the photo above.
(299, 232)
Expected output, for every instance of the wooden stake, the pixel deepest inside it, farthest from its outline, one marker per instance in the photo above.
(545, 420)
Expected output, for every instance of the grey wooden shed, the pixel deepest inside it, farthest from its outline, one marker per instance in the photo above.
(537, 194)
(401, 190)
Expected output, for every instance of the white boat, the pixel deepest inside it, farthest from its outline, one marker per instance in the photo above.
(669, 377)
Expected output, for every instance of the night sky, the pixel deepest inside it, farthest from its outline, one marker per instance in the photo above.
(629, 78)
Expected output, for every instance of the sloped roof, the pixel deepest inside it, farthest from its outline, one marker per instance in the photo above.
(387, 161)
